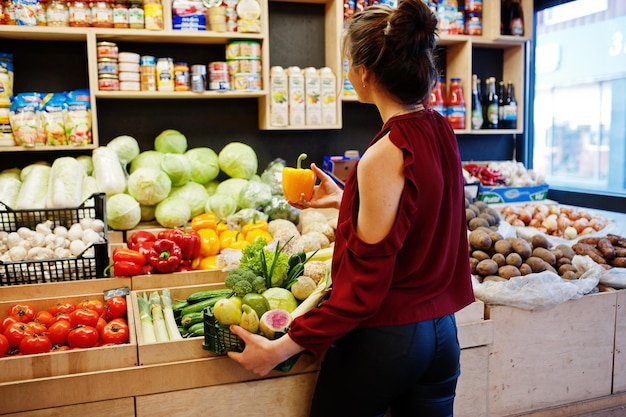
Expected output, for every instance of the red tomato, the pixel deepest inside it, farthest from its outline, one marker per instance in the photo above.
(44, 317)
(62, 316)
(115, 307)
(58, 332)
(62, 307)
(6, 322)
(4, 346)
(59, 348)
(16, 332)
(34, 344)
(84, 316)
(101, 323)
(115, 332)
(96, 305)
(37, 327)
(23, 312)
(83, 337)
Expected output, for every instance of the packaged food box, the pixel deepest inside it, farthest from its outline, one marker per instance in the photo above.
(499, 194)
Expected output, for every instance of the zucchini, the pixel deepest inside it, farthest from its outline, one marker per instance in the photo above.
(192, 318)
(196, 330)
(201, 305)
(198, 296)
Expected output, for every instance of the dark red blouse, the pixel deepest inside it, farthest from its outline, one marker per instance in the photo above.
(420, 270)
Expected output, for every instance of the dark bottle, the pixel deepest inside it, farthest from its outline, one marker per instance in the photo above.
(492, 104)
(516, 18)
(477, 107)
(505, 17)
(501, 98)
(509, 114)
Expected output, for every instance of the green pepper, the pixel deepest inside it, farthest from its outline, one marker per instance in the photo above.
(298, 181)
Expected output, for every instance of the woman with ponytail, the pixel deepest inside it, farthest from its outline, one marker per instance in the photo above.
(400, 265)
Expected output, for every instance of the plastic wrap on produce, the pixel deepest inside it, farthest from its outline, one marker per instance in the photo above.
(540, 291)
(614, 277)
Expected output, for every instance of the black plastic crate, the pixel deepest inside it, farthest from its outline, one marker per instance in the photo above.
(60, 269)
(220, 340)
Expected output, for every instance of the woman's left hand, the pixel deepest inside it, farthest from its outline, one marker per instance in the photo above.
(259, 355)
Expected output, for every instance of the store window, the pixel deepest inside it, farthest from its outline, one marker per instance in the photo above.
(579, 114)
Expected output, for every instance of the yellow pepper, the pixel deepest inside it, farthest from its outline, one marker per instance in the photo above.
(209, 242)
(221, 226)
(207, 263)
(298, 181)
(255, 234)
(255, 225)
(232, 239)
(206, 220)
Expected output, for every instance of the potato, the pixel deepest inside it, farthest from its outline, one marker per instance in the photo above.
(473, 263)
(544, 254)
(569, 275)
(487, 267)
(494, 278)
(537, 264)
(563, 261)
(481, 205)
(508, 271)
(514, 259)
(499, 258)
(495, 235)
(469, 214)
(568, 252)
(503, 246)
(539, 240)
(566, 267)
(490, 219)
(525, 269)
(522, 247)
(480, 255)
(478, 239)
(476, 223)
(474, 209)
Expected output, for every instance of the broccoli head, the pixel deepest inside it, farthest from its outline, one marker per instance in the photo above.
(240, 280)
(258, 285)
(242, 287)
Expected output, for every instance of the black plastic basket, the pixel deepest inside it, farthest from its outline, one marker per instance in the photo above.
(60, 269)
(220, 340)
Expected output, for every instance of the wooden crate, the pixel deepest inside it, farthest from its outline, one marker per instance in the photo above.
(60, 289)
(542, 359)
(619, 358)
(123, 407)
(472, 387)
(174, 350)
(25, 367)
(177, 279)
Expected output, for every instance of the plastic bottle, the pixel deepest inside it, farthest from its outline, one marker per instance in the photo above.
(509, 114)
(456, 104)
(437, 97)
(477, 108)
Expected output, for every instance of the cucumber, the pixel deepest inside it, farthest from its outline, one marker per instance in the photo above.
(179, 305)
(192, 318)
(201, 305)
(198, 296)
(196, 330)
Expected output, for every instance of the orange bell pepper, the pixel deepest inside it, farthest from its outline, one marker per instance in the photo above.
(209, 242)
(232, 239)
(206, 220)
(255, 234)
(298, 181)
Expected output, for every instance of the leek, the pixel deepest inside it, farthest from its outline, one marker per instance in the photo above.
(158, 322)
(168, 314)
(146, 319)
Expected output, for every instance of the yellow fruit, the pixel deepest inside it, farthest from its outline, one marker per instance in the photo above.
(226, 312)
(249, 319)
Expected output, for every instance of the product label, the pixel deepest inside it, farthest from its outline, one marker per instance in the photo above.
(492, 114)
(477, 119)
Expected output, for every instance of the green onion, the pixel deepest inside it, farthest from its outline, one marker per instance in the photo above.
(168, 313)
(146, 319)
(158, 322)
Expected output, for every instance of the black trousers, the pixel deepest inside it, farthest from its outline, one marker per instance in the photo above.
(411, 370)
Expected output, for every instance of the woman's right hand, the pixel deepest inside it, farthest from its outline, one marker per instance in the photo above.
(326, 194)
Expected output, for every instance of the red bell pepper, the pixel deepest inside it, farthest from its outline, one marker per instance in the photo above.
(138, 237)
(165, 256)
(144, 247)
(189, 242)
(127, 262)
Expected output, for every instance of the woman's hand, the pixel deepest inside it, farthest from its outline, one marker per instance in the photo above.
(261, 355)
(325, 194)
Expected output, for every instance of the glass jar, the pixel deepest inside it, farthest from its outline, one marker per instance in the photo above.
(40, 13)
(102, 14)
(80, 13)
(9, 12)
(456, 104)
(58, 14)
(153, 14)
(120, 14)
(181, 77)
(136, 14)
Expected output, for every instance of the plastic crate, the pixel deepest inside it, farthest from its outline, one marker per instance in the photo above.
(58, 269)
(220, 340)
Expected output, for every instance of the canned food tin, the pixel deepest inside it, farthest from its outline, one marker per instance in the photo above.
(108, 82)
(252, 66)
(107, 50)
(147, 60)
(219, 76)
(107, 66)
(129, 76)
(128, 67)
(129, 86)
(130, 57)
(246, 82)
(147, 73)
(181, 77)
(243, 49)
(220, 66)
(198, 77)
(219, 85)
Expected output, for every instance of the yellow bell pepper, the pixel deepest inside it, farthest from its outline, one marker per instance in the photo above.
(209, 242)
(298, 181)
(255, 234)
(207, 263)
(206, 220)
(255, 225)
(232, 239)
(221, 226)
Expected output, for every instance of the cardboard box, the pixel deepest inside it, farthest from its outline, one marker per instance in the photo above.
(341, 165)
(496, 195)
